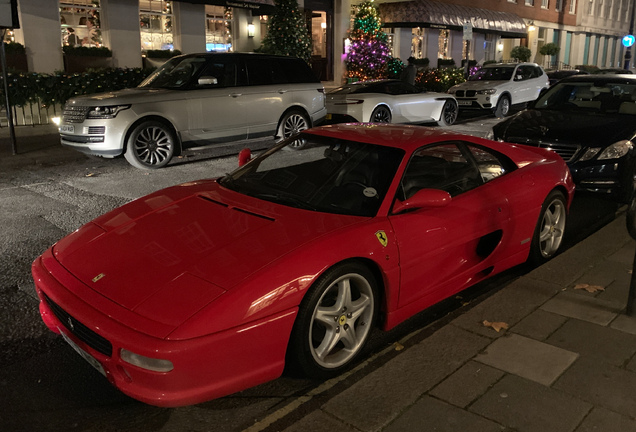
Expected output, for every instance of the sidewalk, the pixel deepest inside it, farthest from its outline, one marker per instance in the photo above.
(566, 363)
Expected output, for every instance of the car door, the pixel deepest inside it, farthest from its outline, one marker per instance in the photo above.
(409, 104)
(213, 108)
(444, 249)
(528, 84)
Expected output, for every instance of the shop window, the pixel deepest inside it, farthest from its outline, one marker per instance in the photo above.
(443, 44)
(155, 22)
(417, 42)
(264, 24)
(319, 34)
(80, 24)
(218, 28)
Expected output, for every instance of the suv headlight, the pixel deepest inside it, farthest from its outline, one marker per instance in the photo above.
(105, 112)
(616, 150)
(487, 91)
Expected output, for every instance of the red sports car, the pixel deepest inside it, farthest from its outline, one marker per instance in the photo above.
(207, 288)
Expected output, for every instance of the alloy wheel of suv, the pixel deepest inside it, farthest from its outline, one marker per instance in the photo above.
(150, 145)
(503, 107)
(293, 123)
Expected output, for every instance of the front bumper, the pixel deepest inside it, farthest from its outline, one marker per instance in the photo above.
(207, 367)
(614, 178)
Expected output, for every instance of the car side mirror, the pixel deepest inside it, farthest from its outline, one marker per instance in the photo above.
(423, 198)
(208, 80)
(244, 156)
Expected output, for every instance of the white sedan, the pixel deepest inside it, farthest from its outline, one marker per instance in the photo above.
(389, 101)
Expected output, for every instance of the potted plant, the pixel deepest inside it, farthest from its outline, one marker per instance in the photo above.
(80, 59)
(549, 50)
(16, 57)
(521, 53)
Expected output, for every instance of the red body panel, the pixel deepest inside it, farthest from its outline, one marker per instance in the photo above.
(211, 279)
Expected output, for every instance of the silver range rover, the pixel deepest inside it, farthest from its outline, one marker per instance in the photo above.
(194, 100)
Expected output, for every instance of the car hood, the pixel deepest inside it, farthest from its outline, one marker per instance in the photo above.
(587, 130)
(167, 255)
(126, 96)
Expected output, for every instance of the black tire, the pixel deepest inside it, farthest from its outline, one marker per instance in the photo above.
(381, 114)
(503, 107)
(151, 145)
(449, 113)
(334, 321)
(292, 123)
(548, 234)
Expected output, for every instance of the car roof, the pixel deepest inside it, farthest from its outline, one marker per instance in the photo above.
(602, 78)
(509, 64)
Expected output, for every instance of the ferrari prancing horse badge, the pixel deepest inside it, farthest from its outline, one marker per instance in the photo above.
(382, 238)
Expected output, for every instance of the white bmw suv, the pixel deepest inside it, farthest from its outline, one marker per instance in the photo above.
(499, 86)
(195, 100)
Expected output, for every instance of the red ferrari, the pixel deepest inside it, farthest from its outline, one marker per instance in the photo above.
(210, 287)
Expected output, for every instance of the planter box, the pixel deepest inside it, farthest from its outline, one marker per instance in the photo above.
(17, 62)
(79, 64)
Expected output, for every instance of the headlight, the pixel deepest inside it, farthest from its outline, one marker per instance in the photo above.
(589, 154)
(105, 112)
(153, 364)
(616, 150)
(487, 91)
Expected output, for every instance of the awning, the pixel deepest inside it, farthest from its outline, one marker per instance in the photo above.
(258, 7)
(428, 13)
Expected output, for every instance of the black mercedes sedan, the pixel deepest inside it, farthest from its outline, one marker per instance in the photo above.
(590, 121)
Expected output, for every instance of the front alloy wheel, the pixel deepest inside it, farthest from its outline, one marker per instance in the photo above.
(335, 320)
(150, 146)
(550, 229)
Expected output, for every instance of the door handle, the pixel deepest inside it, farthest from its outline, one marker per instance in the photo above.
(235, 95)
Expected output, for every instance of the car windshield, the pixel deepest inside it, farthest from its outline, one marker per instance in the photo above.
(327, 175)
(503, 73)
(590, 96)
(176, 73)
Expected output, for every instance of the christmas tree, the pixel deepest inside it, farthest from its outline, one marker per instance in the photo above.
(287, 32)
(368, 51)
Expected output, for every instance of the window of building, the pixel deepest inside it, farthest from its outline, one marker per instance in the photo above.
(558, 6)
(609, 5)
(512, 1)
(218, 28)
(545, 4)
(529, 2)
(155, 21)
(601, 8)
(572, 7)
(80, 24)
(443, 44)
(628, 8)
(617, 9)
(590, 7)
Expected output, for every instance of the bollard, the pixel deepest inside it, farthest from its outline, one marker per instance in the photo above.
(631, 228)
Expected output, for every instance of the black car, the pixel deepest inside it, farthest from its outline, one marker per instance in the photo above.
(590, 121)
(558, 75)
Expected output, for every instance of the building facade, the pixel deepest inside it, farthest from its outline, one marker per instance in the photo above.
(586, 31)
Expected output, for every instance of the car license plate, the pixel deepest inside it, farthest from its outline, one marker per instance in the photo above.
(86, 356)
(67, 128)
(465, 103)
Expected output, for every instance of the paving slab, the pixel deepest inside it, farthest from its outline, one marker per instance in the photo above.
(528, 358)
(378, 398)
(526, 406)
(539, 325)
(467, 384)
(510, 305)
(319, 421)
(429, 414)
(601, 420)
(600, 384)
(625, 324)
(595, 341)
(582, 307)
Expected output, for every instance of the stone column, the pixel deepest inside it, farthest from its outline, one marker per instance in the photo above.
(120, 32)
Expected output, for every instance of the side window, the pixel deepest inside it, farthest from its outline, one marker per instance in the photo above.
(218, 73)
(490, 166)
(537, 72)
(444, 166)
(264, 71)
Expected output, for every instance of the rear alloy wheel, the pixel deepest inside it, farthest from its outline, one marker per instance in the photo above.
(335, 320)
(292, 123)
(381, 114)
(548, 234)
(503, 107)
(150, 145)
(449, 113)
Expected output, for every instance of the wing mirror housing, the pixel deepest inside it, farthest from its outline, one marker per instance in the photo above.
(424, 198)
(244, 156)
(208, 80)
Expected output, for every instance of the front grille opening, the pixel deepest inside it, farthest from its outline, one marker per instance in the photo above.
(83, 333)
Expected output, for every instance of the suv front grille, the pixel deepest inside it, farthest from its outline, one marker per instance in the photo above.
(74, 114)
(465, 93)
(83, 333)
(566, 151)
